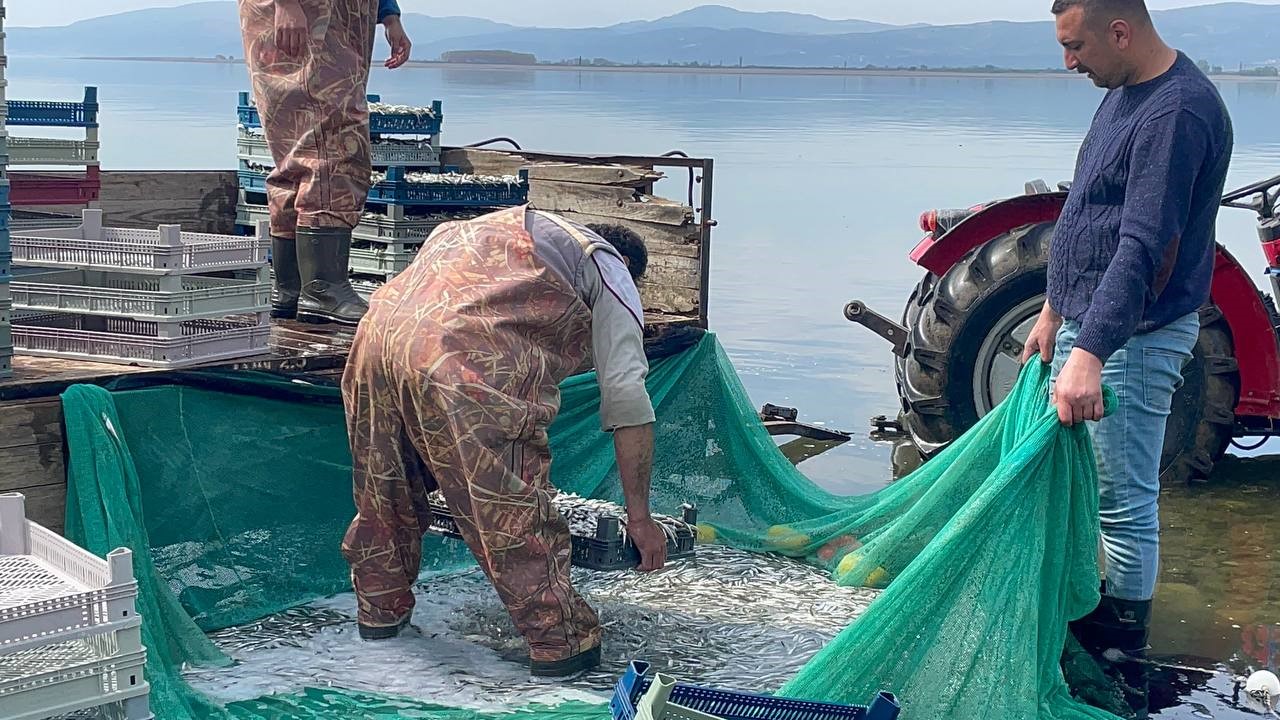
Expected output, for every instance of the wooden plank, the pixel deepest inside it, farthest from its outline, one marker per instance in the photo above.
(123, 185)
(46, 505)
(619, 175)
(31, 465)
(30, 422)
(483, 162)
(608, 201)
(672, 271)
(198, 201)
(659, 239)
(667, 299)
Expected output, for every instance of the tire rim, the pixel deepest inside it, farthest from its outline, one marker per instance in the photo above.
(999, 360)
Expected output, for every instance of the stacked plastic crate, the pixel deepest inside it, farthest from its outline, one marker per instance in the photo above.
(153, 298)
(6, 338)
(70, 634)
(412, 191)
(73, 191)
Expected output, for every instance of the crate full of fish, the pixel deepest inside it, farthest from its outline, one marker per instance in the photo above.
(373, 227)
(597, 529)
(70, 635)
(398, 187)
(252, 150)
(663, 698)
(384, 118)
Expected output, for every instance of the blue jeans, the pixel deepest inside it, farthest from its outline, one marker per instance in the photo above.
(1144, 374)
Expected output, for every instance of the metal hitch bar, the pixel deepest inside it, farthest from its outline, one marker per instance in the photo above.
(856, 311)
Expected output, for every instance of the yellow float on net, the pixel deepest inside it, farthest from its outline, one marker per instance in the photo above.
(706, 533)
(781, 536)
(878, 578)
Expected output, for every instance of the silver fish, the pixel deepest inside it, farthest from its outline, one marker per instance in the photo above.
(726, 618)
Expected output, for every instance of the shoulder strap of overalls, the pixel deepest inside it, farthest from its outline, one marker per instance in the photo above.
(589, 245)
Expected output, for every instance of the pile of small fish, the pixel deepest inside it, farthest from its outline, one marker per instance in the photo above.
(726, 618)
(382, 108)
(583, 514)
(452, 178)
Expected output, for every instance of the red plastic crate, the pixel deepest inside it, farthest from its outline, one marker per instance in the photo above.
(38, 189)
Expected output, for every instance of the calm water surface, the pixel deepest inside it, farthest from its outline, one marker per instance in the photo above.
(819, 183)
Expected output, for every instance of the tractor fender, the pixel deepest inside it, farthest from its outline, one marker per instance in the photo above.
(1253, 334)
(938, 254)
(1256, 348)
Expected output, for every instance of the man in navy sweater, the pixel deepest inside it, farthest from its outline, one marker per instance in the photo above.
(1129, 267)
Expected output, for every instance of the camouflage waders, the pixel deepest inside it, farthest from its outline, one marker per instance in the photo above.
(313, 111)
(452, 381)
(316, 121)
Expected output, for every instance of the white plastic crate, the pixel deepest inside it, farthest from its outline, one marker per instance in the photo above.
(70, 638)
(29, 224)
(372, 227)
(150, 297)
(164, 251)
(138, 342)
(380, 262)
(252, 147)
(49, 151)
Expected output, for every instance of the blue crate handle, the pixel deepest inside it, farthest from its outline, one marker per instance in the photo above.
(736, 705)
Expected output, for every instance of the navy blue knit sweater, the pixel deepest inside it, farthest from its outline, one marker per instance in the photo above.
(1133, 249)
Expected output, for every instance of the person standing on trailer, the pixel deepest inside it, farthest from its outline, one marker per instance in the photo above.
(452, 383)
(309, 64)
(1130, 266)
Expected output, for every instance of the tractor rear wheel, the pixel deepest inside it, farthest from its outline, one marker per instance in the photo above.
(967, 331)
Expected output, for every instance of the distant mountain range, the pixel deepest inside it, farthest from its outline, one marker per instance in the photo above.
(1225, 34)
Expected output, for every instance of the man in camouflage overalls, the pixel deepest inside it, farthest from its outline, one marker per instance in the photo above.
(309, 66)
(452, 382)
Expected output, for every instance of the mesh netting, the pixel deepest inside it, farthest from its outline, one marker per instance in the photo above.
(240, 488)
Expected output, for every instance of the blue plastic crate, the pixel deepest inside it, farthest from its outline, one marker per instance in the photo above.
(4, 237)
(735, 705)
(379, 123)
(42, 113)
(4, 195)
(6, 262)
(397, 191)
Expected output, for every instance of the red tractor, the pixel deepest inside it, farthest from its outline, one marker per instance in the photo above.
(959, 345)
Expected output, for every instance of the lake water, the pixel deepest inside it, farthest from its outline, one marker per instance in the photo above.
(819, 183)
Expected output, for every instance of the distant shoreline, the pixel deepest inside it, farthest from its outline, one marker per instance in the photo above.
(702, 70)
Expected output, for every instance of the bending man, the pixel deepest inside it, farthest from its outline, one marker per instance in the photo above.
(309, 66)
(452, 383)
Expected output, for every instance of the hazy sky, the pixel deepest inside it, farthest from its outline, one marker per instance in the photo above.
(573, 13)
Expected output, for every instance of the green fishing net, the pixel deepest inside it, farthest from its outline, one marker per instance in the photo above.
(235, 490)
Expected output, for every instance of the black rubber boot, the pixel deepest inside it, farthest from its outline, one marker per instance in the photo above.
(324, 256)
(576, 665)
(382, 633)
(287, 285)
(1116, 635)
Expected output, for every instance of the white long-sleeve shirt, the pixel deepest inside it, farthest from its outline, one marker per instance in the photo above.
(602, 280)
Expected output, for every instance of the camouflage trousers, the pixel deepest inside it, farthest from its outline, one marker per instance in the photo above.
(314, 112)
(452, 382)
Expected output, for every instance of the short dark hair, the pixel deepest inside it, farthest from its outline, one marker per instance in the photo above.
(1105, 10)
(625, 241)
